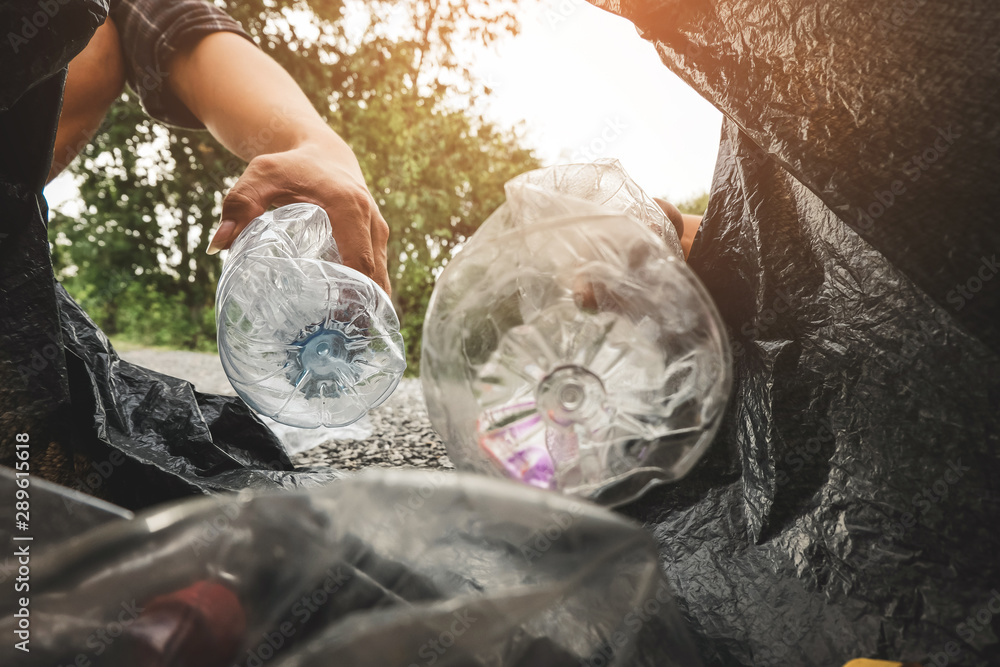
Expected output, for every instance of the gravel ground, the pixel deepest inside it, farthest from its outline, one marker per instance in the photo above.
(401, 433)
(401, 436)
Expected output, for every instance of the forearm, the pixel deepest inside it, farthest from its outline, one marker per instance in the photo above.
(685, 224)
(95, 80)
(248, 102)
(251, 105)
(691, 225)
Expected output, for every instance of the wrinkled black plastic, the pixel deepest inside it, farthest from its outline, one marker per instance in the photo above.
(172, 439)
(849, 505)
(34, 392)
(387, 569)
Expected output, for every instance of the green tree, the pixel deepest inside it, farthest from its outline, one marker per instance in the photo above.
(696, 205)
(391, 83)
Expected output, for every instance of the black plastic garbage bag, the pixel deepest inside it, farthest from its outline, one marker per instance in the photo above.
(849, 505)
(167, 439)
(387, 569)
(34, 393)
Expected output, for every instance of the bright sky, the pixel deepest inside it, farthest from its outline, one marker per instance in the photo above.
(582, 85)
(588, 86)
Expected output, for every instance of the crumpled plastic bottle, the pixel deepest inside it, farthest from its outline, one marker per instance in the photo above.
(569, 346)
(304, 339)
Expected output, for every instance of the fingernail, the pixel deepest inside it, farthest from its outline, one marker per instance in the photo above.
(221, 237)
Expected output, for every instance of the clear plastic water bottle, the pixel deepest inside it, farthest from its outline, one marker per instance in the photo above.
(569, 346)
(304, 339)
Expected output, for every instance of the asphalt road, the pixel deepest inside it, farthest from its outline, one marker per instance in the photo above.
(397, 433)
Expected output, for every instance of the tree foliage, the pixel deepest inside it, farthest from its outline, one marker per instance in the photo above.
(696, 205)
(388, 76)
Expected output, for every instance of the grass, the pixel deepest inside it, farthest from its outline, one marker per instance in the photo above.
(125, 344)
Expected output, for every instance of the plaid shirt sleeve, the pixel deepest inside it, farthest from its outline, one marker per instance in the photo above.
(151, 31)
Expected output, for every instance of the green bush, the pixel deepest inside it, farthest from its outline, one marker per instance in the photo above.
(141, 313)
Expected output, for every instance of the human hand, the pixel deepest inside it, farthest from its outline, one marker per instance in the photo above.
(321, 170)
(685, 224)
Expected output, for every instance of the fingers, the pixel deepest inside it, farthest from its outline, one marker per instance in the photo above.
(360, 232)
(274, 180)
(673, 214)
(686, 225)
(248, 199)
(380, 242)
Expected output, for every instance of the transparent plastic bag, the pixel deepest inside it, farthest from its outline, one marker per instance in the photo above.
(304, 339)
(569, 346)
(390, 568)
